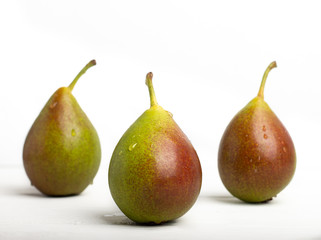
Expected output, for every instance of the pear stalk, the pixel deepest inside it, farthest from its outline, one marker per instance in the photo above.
(266, 73)
(149, 84)
(89, 65)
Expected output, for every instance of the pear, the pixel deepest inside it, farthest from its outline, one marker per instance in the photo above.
(154, 174)
(61, 153)
(256, 158)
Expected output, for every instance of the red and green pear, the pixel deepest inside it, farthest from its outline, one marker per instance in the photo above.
(154, 175)
(256, 158)
(61, 154)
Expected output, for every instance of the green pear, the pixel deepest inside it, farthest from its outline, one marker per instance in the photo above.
(154, 174)
(256, 158)
(61, 154)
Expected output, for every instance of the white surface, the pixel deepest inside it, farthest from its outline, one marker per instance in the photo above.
(207, 57)
(26, 214)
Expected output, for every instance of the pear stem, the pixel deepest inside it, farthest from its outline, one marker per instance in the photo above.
(73, 83)
(149, 84)
(266, 73)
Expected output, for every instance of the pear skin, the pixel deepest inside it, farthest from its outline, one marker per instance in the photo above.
(154, 174)
(61, 154)
(256, 158)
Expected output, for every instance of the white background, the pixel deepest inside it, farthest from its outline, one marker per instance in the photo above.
(208, 58)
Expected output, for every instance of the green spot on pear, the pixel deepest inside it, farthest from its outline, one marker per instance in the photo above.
(73, 132)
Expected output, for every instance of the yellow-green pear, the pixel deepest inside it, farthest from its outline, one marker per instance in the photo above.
(154, 174)
(61, 154)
